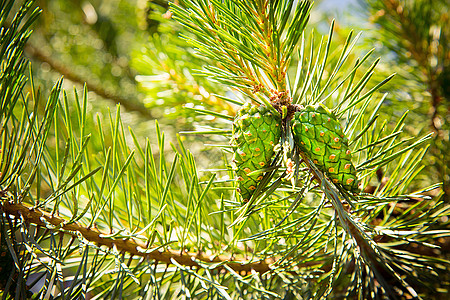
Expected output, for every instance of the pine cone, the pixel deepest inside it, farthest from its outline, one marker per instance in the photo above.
(319, 135)
(256, 130)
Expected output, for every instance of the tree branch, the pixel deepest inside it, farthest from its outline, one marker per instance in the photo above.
(134, 247)
(420, 53)
(128, 104)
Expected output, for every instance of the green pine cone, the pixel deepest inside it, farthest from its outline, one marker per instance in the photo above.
(319, 135)
(256, 130)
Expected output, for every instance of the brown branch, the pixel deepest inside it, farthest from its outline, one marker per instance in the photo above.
(131, 246)
(128, 104)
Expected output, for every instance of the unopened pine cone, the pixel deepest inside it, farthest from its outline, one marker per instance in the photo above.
(319, 135)
(256, 130)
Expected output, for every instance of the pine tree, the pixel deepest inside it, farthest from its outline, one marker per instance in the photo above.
(92, 210)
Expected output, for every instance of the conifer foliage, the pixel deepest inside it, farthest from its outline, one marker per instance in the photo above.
(295, 210)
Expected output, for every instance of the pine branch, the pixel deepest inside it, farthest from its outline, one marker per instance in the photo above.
(145, 202)
(263, 73)
(419, 49)
(135, 247)
(418, 33)
(251, 43)
(132, 106)
(367, 247)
